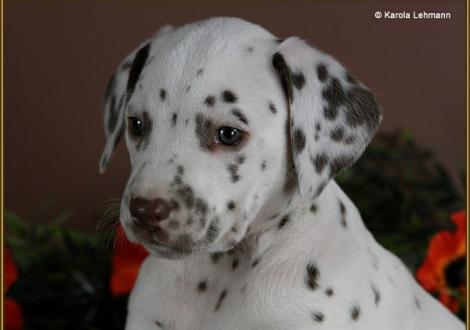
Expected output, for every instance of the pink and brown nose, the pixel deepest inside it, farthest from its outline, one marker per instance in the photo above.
(148, 213)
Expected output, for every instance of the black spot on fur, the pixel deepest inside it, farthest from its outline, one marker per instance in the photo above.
(340, 163)
(186, 193)
(222, 296)
(180, 169)
(355, 312)
(174, 118)
(313, 208)
(250, 49)
(330, 113)
(212, 231)
(202, 222)
(215, 257)
(199, 72)
(188, 88)
(299, 141)
(376, 295)
(200, 206)
(159, 324)
(240, 159)
(183, 244)
(417, 303)
(229, 96)
(375, 262)
(231, 205)
(318, 316)
(272, 107)
(329, 292)
(235, 263)
(312, 275)
(322, 72)
(137, 65)
(162, 94)
(126, 66)
(237, 113)
(283, 221)
(334, 94)
(177, 180)
(255, 262)
(337, 134)
(189, 221)
(298, 80)
(209, 101)
(285, 75)
(204, 130)
(233, 171)
(320, 188)
(319, 162)
(290, 181)
(362, 109)
(202, 286)
(349, 140)
(342, 210)
(263, 165)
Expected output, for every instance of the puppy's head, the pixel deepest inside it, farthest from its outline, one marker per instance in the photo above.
(222, 120)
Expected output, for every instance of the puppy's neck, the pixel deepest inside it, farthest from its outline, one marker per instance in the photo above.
(283, 215)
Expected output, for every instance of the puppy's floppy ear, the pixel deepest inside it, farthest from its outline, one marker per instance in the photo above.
(332, 116)
(119, 90)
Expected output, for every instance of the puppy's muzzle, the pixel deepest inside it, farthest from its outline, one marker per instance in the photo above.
(147, 214)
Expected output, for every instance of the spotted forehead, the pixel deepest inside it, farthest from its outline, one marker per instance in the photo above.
(186, 64)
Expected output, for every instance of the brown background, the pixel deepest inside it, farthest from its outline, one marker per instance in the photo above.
(58, 58)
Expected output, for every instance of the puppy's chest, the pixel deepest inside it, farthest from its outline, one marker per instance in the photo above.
(216, 293)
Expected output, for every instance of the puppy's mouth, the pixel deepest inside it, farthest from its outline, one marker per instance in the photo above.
(158, 242)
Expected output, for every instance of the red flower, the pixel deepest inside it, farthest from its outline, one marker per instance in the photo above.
(443, 271)
(127, 259)
(10, 272)
(13, 318)
(12, 315)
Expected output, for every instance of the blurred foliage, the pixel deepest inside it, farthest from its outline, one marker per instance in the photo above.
(403, 194)
(64, 277)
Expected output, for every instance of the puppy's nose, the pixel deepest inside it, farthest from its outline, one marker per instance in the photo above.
(149, 212)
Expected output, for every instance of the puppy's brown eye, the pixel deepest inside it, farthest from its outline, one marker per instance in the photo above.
(136, 126)
(229, 135)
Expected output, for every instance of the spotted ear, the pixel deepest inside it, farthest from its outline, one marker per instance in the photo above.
(332, 115)
(120, 88)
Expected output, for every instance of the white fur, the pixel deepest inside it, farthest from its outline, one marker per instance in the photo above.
(273, 294)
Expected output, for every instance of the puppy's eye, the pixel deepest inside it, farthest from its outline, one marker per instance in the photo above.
(136, 126)
(229, 135)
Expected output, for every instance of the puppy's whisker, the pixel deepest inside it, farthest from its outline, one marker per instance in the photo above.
(108, 221)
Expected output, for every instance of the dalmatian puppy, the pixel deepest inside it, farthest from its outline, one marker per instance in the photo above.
(234, 139)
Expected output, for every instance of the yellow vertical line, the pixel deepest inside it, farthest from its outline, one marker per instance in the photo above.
(1, 169)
